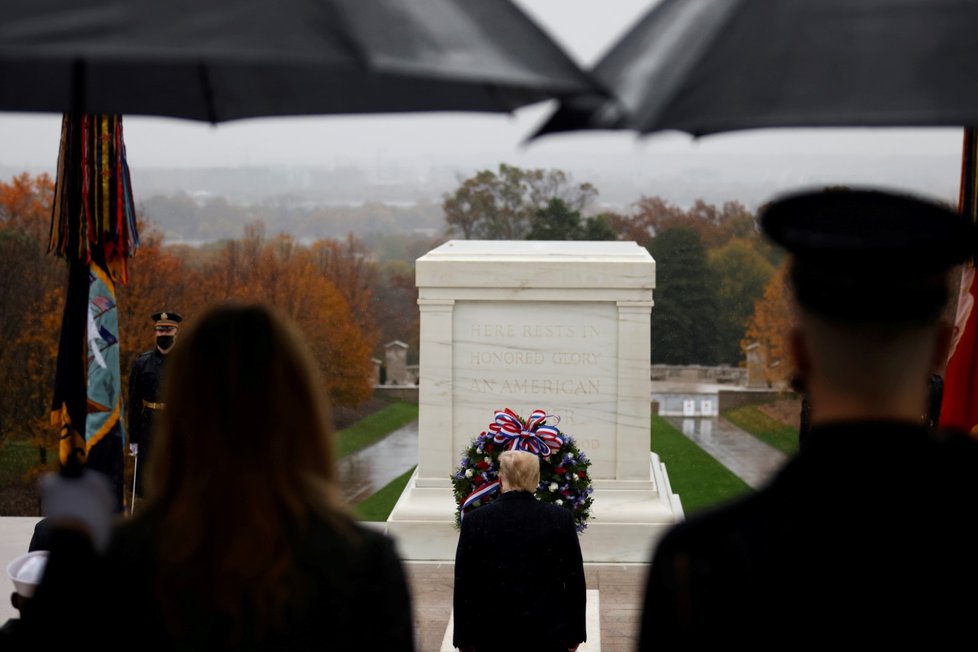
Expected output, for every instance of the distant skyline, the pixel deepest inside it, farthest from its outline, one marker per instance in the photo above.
(767, 160)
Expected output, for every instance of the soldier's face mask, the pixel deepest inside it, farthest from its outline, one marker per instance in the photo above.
(165, 337)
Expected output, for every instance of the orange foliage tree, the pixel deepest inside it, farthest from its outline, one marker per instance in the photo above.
(714, 225)
(283, 273)
(769, 327)
(325, 288)
(31, 297)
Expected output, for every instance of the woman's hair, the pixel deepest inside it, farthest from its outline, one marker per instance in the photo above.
(520, 469)
(242, 458)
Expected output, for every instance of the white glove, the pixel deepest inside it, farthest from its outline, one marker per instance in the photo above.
(86, 500)
(133, 450)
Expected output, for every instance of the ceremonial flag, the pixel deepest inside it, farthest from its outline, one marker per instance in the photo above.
(959, 406)
(93, 227)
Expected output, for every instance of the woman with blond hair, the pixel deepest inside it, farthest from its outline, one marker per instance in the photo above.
(242, 541)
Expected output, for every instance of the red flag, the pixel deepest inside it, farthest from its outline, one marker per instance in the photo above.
(959, 406)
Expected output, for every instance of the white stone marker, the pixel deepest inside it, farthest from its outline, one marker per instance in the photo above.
(559, 326)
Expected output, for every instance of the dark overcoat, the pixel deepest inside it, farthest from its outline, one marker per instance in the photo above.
(519, 577)
(351, 594)
(145, 386)
(867, 536)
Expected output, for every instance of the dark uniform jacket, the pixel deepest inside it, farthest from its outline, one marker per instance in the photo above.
(519, 577)
(145, 386)
(353, 596)
(867, 536)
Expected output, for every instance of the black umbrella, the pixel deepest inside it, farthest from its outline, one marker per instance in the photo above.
(705, 66)
(220, 60)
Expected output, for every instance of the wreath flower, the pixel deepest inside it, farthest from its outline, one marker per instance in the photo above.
(564, 477)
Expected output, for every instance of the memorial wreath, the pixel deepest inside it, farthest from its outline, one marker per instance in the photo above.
(564, 478)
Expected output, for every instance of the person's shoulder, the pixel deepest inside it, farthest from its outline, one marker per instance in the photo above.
(717, 527)
(342, 537)
(143, 358)
(957, 441)
(371, 537)
(554, 511)
(957, 458)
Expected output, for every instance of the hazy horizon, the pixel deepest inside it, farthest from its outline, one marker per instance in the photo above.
(451, 144)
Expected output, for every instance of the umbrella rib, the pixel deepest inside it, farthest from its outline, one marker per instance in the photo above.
(207, 90)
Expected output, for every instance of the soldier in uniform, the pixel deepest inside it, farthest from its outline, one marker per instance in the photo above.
(867, 538)
(145, 390)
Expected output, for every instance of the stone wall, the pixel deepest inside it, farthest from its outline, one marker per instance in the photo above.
(407, 393)
(728, 399)
(700, 374)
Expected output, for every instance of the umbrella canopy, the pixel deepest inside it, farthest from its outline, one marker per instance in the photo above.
(221, 60)
(704, 66)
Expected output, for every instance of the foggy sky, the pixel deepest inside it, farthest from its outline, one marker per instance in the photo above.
(778, 158)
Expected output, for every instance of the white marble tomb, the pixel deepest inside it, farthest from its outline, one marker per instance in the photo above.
(560, 326)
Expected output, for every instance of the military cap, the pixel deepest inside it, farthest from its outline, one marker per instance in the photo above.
(165, 318)
(869, 255)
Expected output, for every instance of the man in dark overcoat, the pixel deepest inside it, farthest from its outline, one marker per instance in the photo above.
(145, 390)
(867, 538)
(519, 573)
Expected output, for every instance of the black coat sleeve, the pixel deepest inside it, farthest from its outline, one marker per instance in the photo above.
(463, 600)
(391, 622)
(667, 611)
(575, 585)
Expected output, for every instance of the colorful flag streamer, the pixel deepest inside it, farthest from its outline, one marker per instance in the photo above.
(94, 217)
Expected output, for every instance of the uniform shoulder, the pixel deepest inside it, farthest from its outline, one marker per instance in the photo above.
(719, 527)
(958, 458)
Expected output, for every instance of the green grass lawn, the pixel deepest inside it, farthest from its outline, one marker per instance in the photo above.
(374, 427)
(695, 475)
(16, 458)
(378, 506)
(770, 431)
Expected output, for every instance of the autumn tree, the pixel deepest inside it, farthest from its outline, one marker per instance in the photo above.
(557, 221)
(684, 328)
(296, 280)
(715, 225)
(769, 326)
(351, 268)
(650, 216)
(31, 296)
(396, 304)
(500, 205)
(740, 275)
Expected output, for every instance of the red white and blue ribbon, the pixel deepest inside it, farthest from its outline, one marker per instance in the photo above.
(535, 436)
(485, 490)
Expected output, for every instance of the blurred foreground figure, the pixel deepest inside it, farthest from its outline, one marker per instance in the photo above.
(242, 542)
(868, 535)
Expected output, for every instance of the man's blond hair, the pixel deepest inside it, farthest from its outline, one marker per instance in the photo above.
(520, 470)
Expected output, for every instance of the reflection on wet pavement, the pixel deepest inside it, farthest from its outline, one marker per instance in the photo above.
(365, 472)
(745, 455)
